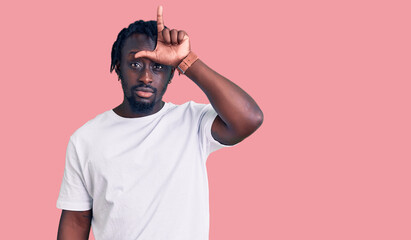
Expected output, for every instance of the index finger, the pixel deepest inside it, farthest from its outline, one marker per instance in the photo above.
(160, 22)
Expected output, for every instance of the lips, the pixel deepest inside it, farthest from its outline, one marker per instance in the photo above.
(144, 92)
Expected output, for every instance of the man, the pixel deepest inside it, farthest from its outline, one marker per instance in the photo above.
(138, 171)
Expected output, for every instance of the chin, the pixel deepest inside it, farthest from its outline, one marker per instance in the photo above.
(141, 106)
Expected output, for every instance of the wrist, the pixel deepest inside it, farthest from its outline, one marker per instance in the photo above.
(187, 62)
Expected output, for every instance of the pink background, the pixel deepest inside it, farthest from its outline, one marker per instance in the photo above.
(331, 161)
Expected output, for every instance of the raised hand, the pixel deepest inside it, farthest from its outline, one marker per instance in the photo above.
(172, 45)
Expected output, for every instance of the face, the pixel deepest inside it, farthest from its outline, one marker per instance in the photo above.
(144, 82)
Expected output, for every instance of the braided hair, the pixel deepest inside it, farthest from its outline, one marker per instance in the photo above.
(148, 28)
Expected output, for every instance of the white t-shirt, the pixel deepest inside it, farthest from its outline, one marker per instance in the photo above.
(145, 178)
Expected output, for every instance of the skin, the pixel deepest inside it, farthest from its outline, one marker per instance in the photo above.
(138, 72)
(238, 114)
(74, 225)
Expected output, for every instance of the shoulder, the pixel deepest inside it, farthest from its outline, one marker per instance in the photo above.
(91, 126)
(189, 107)
(190, 113)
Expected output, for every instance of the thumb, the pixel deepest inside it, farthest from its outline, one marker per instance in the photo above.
(146, 54)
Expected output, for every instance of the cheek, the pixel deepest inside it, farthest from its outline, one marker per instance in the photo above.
(162, 88)
(125, 70)
(124, 86)
(165, 77)
(127, 74)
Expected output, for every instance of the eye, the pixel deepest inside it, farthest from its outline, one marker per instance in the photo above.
(136, 65)
(158, 66)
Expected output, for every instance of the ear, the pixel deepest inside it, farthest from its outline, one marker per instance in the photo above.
(173, 69)
(117, 69)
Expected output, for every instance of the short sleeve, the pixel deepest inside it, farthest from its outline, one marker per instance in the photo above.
(73, 192)
(207, 141)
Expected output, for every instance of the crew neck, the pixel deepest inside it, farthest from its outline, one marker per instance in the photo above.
(145, 118)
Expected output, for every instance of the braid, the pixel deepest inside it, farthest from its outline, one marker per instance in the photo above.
(148, 28)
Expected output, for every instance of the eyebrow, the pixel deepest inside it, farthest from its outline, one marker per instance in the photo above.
(131, 55)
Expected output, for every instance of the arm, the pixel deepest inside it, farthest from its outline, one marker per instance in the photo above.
(74, 225)
(238, 114)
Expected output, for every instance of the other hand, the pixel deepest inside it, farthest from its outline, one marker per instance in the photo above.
(172, 45)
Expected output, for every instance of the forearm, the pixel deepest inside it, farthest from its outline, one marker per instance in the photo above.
(74, 225)
(238, 114)
(234, 106)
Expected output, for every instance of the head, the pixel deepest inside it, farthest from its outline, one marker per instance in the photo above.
(144, 82)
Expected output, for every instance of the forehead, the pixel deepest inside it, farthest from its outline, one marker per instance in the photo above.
(137, 42)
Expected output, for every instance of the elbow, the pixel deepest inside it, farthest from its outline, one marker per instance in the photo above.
(243, 128)
(258, 119)
(255, 120)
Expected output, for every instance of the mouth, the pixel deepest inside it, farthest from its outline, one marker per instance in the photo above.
(144, 92)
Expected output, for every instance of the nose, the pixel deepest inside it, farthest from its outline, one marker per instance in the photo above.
(146, 77)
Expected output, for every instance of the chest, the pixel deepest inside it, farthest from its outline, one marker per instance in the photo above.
(122, 162)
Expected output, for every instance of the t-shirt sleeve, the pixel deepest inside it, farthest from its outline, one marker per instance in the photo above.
(73, 192)
(209, 144)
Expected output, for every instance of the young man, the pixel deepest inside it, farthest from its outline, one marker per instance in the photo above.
(139, 171)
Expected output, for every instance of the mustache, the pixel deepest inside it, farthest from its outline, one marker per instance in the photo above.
(135, 87)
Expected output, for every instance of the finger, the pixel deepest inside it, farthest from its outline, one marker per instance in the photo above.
(146, 54)
(174, 35)
(181, 35)
(160, 21)
(166, 35)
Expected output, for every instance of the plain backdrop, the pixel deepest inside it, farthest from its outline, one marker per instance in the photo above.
(331, 160)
